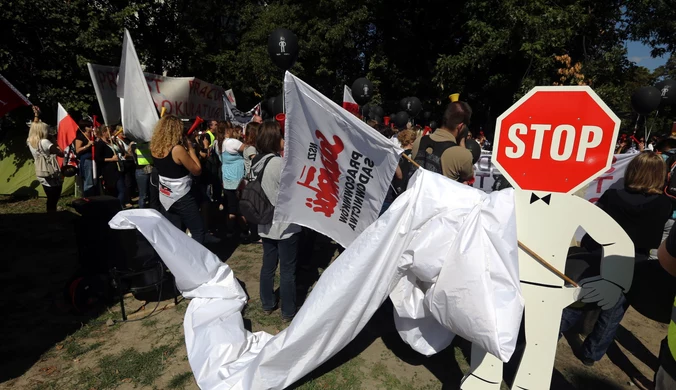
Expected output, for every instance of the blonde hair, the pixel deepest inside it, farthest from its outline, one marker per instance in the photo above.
(37, 133)
(646, 174)
(407, 137)
(168, 133)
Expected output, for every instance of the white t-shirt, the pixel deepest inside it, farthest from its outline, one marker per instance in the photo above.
(45, 144)
(231, 145)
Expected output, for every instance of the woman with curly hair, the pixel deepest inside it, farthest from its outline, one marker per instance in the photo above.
(175, 159)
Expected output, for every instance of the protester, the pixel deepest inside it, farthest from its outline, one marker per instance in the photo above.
(84, 141)
(126, 153)
(230, 149)
(438, 151)
(41, 147)
(400, 181)
(110, 165)
(665, 378)
(642, 211)
(144, 167)
(175, 159)
(250, 151)
(280, 240)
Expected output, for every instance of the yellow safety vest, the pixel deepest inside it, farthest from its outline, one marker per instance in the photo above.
(212, 138)
(671, 338)
(143, 156)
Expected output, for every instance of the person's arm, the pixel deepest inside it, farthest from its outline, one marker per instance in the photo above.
(666, 253)
(55, 149)
(188, 158)
(398, 173)
(81, 146)
(36, 112)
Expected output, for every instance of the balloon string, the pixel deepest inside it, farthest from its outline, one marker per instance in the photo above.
(651, 125)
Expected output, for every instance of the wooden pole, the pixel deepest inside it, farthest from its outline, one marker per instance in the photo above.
(524, 247)
(547, 265)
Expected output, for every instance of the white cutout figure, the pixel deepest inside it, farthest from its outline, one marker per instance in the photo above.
(282, 45)
(366, 90)
(665, 90)
(545, 224)
(408, 106)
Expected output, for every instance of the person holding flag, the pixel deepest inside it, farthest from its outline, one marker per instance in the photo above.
(84, 143)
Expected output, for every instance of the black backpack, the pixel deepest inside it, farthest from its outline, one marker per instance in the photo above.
(254, 204)
(431, 161)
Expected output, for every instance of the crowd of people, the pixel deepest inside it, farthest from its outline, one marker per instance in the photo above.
(185, 175)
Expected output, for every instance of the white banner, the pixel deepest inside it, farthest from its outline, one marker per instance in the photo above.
(185, 97)
(486, 174)
(336, 168)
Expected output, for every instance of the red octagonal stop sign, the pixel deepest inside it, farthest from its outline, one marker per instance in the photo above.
(555, 139)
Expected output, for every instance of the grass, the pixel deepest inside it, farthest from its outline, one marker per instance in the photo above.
(346, 377)
(150, 323)
(180, 381)
(128, 366)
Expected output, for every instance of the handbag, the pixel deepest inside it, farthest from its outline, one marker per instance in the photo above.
(46, 165)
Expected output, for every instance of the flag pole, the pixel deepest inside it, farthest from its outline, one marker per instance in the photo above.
(526, 249)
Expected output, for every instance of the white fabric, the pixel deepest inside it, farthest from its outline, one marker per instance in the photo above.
(172, 190)
(139, 115)
(347, 95)
(231, 145)
(336, 170)
(471, 287)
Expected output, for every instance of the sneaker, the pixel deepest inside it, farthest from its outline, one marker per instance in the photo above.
(209, 239)
(588, 362)
(287, 320)
(268, 312)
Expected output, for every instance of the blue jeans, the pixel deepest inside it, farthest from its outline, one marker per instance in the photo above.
(88, 184)
(143, 182)
(184, 212)
(598, 341)
(284, 251)
(121, 187)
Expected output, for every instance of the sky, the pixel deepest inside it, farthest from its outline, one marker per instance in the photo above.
(640, 54)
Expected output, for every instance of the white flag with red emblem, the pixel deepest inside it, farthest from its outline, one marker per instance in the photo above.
(348, 101)
(336, 170)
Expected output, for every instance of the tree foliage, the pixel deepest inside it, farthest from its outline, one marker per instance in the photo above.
(491, 51)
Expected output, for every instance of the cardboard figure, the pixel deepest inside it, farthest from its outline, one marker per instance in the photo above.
(569, 133)
(546, 223)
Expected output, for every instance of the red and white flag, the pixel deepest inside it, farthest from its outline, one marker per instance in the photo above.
(67, 131)
(348, 102)
(10, 97)
(336, 169)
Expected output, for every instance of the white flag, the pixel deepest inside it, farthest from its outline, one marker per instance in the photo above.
(139, 115)
(231, 97)
(336, 169)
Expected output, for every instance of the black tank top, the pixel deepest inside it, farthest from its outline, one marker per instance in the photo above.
(168, 168)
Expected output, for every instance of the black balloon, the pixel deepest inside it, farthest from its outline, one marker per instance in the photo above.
(414, 106)
(427, 115)
(278, 105)
(376, 112)
(365, 110)
(269, 105)
(646, 100)
(403, 103)
(434, 125)
(475, 148)
(362, 90)
(401, 119)
(667, 90)
(283, 48)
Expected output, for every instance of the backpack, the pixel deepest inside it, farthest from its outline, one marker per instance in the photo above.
(46, 165)
(431, 161)
(254, 204)
(213, 162)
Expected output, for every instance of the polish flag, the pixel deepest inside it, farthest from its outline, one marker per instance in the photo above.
(10, 97)
(67, 130)
(348, 102)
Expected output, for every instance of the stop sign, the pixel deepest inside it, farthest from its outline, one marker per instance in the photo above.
(555, 139)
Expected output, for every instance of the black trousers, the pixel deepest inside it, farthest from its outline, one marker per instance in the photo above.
(53, 195)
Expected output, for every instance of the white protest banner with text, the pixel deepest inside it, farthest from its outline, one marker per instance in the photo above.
(185, 97)
(337, 169)
(486, 174)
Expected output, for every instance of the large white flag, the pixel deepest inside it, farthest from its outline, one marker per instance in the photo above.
(336, 169)
(139, 115)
